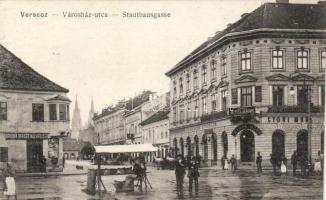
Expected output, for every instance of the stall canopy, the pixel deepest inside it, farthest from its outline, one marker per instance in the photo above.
(132, 148)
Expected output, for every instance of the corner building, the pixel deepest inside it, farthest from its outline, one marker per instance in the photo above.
(34, 117)
(256, 86)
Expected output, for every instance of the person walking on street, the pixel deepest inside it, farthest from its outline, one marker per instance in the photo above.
(193, 174)
(226, 163)
(259, 160)
(223, 161)
(180, 173)
(294, 162)
(10, 183)
(283, 171)
(233, 162)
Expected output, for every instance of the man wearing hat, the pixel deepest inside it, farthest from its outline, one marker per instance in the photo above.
(180, 173)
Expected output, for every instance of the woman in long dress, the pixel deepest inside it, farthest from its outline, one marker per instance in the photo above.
(283, 172)
(10, 183)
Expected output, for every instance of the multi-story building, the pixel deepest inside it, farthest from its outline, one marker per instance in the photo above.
(155, 130)
(34, 115)
(109, 126)
(256, 86)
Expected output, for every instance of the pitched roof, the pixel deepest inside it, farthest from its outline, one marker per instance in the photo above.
(59, 97)
(16, 75)
(269, 16)
(158, 116)
(70, 144)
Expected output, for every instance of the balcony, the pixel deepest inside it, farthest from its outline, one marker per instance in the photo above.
(213, 115)
(295, 109)
(244, 114)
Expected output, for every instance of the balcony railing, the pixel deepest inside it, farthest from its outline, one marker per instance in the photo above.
(213, 115)
(295, 109)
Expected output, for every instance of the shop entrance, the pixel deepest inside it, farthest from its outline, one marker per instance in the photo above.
(34, 153)
(247, 146)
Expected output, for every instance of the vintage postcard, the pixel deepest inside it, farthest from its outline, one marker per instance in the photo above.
(162, 99)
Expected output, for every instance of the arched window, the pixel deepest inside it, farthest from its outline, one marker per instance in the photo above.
(225, 143)
(214, 146)
(205, 146)
(302, 144)
(196, 139)
(181, 147)
(189, 152)
(278, 143)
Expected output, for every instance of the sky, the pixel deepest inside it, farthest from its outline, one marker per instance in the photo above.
(113, 58)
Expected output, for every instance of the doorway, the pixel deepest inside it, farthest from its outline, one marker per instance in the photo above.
(247, 146)
(278, 143)
(302, 144)
(34, 153)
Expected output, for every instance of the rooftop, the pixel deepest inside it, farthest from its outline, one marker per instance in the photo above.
(275, 16)
(16, 75)
(158, 116)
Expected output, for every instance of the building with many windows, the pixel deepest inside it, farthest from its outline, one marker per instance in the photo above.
(256, 86)
(34, 115)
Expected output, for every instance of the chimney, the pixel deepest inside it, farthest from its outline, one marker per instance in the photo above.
(282, 1)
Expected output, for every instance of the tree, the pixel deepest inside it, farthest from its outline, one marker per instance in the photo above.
(87, 150)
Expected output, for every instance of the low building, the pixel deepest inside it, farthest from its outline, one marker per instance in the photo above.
(34, 115)
(155, 130)
(72, 148)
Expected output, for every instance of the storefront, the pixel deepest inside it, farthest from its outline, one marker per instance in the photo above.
(33, 152)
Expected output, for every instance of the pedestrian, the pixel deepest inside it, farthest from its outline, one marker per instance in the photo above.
(180, 173)
(138, 171)
(63, 161)
(223, 162)
(193, 174)
(233, 162)
(10, 183)
(294, 162)
(317, 167)
(226, 163)
(259, 160)
(273, 162)
(283, 172)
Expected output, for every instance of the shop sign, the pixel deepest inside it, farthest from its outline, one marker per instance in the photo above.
(26, 136)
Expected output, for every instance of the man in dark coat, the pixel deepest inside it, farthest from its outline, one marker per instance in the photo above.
(223, 161)
(193, 174)
(294, 161)
(233, 162)
(180, 173)
(259, 160)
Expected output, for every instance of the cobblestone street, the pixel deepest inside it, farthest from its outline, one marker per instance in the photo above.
(213, 184)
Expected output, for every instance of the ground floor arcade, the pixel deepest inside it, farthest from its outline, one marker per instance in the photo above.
(280, 135)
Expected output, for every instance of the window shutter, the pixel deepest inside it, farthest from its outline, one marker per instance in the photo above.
(234, 94)
(258, 94)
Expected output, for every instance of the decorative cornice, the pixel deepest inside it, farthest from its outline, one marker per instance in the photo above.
(277, 77)
(246, 79)
(223, 84)
(301, 77)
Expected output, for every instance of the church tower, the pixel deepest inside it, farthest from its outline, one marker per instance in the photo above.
(76, 124)
(91, 115)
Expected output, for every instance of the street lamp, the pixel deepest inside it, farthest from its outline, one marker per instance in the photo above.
(292, 91)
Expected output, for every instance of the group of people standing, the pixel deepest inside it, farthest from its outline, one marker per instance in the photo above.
(225, 163)
(192, 163)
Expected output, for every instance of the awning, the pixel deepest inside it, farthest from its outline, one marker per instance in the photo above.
(132, 148)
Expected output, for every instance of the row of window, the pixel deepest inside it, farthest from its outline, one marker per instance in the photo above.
(152, 134)
(56, 112)
(246, 100)
(302, 63)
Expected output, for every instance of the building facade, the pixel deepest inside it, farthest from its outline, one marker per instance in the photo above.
(155, 130)
(34, 116)
(256, 86)
(109, 126)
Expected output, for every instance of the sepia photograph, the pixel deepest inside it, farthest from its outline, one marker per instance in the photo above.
(162, 99)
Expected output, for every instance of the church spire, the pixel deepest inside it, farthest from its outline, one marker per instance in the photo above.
(91, 114)
(76, 121)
